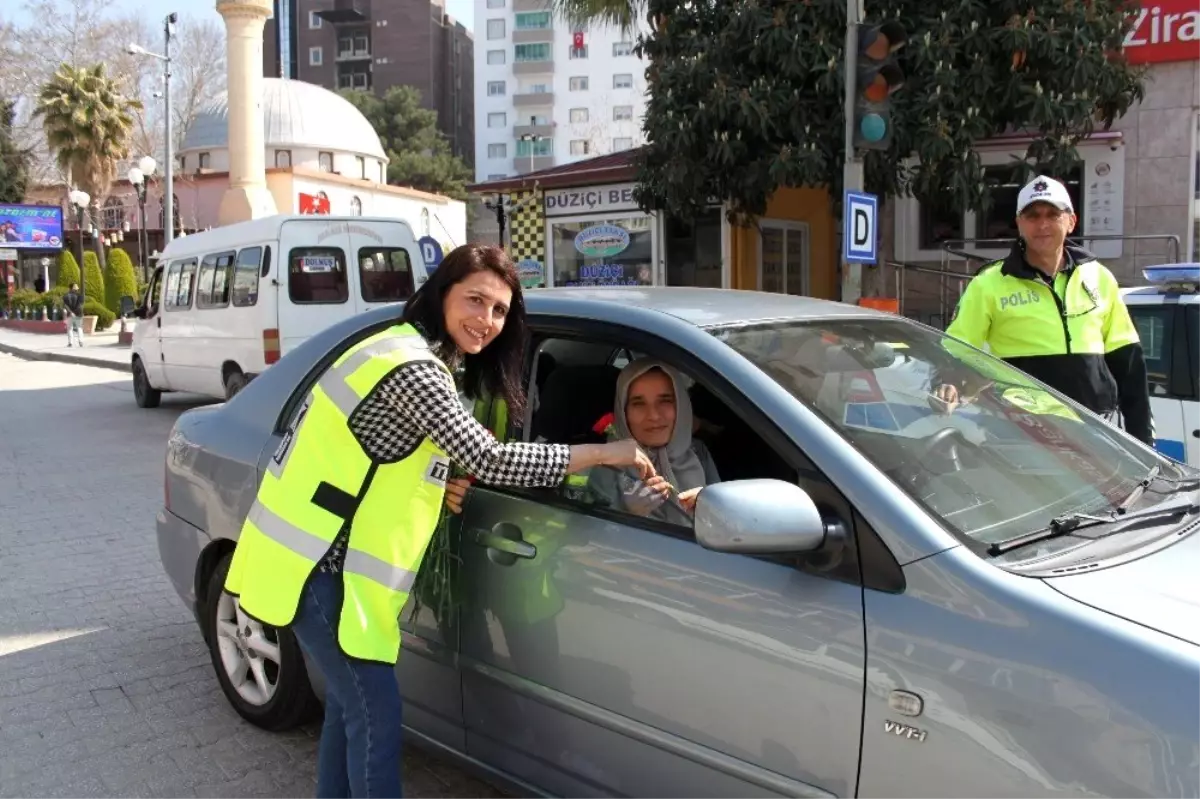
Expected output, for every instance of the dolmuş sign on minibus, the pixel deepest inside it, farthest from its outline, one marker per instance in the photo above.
(1164, 30)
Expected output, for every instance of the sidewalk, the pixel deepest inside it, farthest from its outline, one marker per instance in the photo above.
(100, 349)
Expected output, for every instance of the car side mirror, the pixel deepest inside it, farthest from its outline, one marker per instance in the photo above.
(759, 517)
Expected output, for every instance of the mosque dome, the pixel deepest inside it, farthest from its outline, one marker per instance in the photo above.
(296, 116)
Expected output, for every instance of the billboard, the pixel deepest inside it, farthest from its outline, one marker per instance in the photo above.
(31, 227)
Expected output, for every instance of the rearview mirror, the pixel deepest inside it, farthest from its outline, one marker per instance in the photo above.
(761, 517)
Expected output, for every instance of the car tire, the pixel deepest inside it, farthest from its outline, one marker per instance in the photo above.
(144, 394)
(235, 381)
(276, 694)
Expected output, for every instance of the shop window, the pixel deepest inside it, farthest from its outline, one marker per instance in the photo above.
(245, 277)
(603, 252)
(693, 250)
(783, 257)
(385, 274)
(317, 275)
(1004, 184)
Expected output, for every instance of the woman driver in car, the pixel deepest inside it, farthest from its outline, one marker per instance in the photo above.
(651, 406)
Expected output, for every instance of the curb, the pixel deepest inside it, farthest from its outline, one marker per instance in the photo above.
(63, 357)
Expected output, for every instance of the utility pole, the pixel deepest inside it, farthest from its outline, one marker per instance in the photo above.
(169, 165)
(852, 170)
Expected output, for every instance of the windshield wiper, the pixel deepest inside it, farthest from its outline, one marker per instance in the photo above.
(1137, 491)
(1069, 523)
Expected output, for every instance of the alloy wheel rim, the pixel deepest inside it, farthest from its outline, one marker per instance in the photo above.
(249, 652)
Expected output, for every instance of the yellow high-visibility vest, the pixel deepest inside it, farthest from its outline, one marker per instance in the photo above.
(320, 480)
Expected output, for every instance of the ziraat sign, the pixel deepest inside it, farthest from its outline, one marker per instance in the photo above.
(1164, 30)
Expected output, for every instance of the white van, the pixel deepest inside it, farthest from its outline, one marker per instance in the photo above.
(225, 304)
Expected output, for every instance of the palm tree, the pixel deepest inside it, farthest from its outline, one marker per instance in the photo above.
(88, 123)
(622, 14)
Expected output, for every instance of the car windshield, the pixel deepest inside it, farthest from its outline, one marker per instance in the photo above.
(1009, 457)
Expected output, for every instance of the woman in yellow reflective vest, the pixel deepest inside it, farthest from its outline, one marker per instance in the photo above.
(349, 502)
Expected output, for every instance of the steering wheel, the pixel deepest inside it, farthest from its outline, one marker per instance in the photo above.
(948, 438)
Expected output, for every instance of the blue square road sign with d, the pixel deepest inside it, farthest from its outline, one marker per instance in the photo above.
(860, 215)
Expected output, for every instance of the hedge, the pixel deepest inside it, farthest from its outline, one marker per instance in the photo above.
(93, 283)
(68, 269)
(104, 316)
(119, 279)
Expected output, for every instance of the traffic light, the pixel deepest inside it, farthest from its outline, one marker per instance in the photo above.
(878, 75)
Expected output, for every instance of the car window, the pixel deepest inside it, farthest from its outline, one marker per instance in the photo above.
(1022, 455)
(153, 292)
(1156, 330)
(1191, 337)
(245, 277)
(575, 404)
(317, 275)
(385, 274)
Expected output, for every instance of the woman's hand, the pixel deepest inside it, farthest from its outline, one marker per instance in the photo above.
(688, 499)
(628, 453)
(645, 497)
(456, 493)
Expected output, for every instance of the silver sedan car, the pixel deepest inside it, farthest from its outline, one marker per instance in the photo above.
(883, 596)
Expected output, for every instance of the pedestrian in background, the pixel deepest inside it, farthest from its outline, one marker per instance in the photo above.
(73, 302)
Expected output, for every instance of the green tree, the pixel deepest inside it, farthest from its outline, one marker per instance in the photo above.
(621, 14)
(119, 279)
(88, 121)
(747, 97)
(419, 155)
(93, 278)
(14, 160)
(68, 269)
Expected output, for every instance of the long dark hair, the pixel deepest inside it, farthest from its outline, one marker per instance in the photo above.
(498, 367)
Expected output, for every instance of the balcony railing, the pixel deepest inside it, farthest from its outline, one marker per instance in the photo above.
(533, 98)
(533, 35)
(354, 55)
(523, 164)
(533, 67)
(543, 131)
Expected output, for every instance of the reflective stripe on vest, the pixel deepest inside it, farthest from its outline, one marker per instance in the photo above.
(321, 482)
(313, 548)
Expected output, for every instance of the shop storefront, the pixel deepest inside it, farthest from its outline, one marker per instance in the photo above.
(579, 225)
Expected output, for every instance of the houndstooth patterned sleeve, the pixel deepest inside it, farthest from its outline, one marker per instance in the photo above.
(423, 396)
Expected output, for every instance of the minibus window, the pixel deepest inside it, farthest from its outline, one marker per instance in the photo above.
(385, 274)
(317, 275)
(245, 277)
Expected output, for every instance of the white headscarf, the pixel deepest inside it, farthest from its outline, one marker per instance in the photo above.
(677, 462)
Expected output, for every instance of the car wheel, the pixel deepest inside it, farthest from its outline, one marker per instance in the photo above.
(144, 394)
(260, 668)
(234, 382)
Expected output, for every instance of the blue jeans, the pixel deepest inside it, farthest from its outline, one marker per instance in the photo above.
(359, 753)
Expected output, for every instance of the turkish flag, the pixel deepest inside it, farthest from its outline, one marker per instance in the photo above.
(578, 40)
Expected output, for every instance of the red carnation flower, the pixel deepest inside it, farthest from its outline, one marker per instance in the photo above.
(605, 422)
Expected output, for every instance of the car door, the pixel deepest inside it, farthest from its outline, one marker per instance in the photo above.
(1161, 330)
(150, 330)
(426, 670)
(603, 654)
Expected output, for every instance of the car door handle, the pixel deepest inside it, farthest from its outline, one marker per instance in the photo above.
(497, 540)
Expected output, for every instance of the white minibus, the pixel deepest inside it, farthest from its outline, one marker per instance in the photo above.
(224, 304)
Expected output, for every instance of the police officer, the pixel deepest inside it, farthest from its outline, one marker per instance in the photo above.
(1054, 311)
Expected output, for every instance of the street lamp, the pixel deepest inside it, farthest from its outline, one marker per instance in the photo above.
(137, 176)
(168, 172)
(80, 200)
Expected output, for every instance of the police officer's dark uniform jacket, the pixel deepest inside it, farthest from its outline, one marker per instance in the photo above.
(1072, 332)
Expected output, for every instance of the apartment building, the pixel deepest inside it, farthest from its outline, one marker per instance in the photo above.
(549, 94)
(374, 45)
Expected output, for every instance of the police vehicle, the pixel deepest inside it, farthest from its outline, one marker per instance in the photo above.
(1167, 315)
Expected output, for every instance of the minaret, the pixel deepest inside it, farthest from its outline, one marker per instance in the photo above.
(247, 196)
